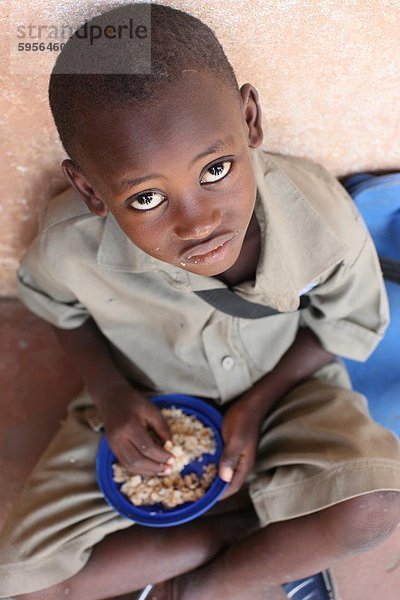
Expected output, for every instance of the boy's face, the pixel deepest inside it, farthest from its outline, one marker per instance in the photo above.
(176, 174)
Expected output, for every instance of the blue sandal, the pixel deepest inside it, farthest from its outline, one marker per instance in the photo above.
(316, 587)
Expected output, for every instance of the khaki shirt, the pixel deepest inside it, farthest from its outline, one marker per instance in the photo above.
(166, 338)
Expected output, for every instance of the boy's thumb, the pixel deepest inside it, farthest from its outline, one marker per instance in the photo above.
(227, 464)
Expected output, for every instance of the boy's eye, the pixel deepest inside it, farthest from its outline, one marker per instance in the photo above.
(216, 171)
(147, 200)
(152, 199)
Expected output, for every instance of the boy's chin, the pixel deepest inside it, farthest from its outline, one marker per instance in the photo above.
(209, 270)
(205, 271)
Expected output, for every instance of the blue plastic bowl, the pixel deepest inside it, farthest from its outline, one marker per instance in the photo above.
(156, 515)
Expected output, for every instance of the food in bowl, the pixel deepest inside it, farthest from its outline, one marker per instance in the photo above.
(190, 439)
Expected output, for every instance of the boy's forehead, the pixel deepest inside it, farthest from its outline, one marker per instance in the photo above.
(191, 118)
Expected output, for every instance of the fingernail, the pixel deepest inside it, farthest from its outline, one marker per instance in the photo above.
(226, 473)
(170, 461)
(165, 471)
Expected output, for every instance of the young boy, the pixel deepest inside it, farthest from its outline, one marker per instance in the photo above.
(186, 259)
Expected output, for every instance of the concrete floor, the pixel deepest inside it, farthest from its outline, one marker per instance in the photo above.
(36, 383)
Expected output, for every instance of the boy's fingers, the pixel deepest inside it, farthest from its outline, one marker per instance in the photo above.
(149, 449)
(231, 489)
(237, 481)
(228, 464)
(160, 427)
(136, 463)
(226, 472)
(133, 470)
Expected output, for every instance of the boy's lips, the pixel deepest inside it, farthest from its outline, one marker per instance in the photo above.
(210, 251)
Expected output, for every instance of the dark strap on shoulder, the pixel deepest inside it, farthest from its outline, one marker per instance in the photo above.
(390, 268)
(230, 303)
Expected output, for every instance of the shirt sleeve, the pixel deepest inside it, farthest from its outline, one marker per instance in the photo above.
(349, 310)
(44, 294)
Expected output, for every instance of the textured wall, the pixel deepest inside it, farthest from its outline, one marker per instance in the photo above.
(327, 70)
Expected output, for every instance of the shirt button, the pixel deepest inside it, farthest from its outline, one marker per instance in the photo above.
(180, 281)
(227, 363)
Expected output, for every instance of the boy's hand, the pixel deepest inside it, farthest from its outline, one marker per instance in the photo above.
(240, 432)
(136, 430)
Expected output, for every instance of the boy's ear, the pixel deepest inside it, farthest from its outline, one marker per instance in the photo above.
(252, 114)
(81, 185)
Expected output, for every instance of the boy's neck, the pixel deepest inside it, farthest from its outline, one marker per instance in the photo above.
(245, 267)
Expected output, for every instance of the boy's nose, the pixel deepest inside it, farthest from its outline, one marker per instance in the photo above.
(198, 224)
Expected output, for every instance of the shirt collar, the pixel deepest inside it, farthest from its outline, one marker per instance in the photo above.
(116, 252)
(298, 245)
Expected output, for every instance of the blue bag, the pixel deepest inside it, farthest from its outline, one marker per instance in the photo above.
(378, 200)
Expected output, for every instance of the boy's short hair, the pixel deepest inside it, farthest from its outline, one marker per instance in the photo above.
(179, 42)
